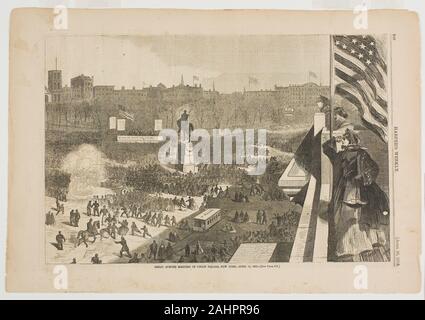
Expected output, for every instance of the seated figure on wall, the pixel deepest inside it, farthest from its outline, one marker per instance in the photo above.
(340, 116)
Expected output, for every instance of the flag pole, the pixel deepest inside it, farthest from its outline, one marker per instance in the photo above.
(331, 106)
(331, 86)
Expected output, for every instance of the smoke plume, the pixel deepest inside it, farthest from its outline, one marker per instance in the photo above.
(87, 166)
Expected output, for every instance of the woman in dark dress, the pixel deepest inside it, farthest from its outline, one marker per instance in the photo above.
(359, 208)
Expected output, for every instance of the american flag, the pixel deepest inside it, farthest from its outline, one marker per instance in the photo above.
(124, 114)
(361, 78)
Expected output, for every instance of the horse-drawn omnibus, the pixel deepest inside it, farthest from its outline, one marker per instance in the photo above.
(206, 219)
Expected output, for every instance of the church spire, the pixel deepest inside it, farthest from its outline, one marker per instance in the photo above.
(181, 80)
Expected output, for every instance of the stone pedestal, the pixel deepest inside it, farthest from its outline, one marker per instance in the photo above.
(186, 161)
(188, 164)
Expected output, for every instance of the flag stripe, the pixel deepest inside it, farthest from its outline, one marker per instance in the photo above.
(361, 78)
(357, 67)
(345, 91)
(368, 120)
(352, 96)
(374, 108)
(343, 59)
(365, 84)
(346, 41)
(381, 105)
(374, 72)
(380, 132)
(126, 115)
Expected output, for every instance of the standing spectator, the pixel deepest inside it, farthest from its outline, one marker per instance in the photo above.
(60, 239)
(124, 247)
(96, 208)
(187, 250)
(104, 212)
(134, 229)
(89, 206)
(169, 252)
(161, 251)
(76, 218)
(153, 250)
(264, 218)
(95, 259)
(259, 217)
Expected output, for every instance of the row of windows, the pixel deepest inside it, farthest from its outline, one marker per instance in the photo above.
(213, 218)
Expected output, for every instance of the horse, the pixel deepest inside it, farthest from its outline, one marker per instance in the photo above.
(104, 233)
(109, 231)
(84, 235)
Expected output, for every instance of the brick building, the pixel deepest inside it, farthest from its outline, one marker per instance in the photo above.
(82, 88)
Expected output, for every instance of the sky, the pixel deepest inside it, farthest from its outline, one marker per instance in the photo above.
(227, 61)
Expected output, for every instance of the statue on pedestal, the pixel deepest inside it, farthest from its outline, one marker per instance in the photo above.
(185, 127)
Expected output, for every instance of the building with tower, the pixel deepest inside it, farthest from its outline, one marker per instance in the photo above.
(54, 85)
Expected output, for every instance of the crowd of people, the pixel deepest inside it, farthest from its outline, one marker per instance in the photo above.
(121, 207)
(143, 200)
(241, 217)
(153, 178)
(279, 227)
(261, 217)
(283, 227)
(205, 251)
(113, 211)
(160, 252)
(240, 197)
(136, 204)
(50, 218)
(50, 215)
